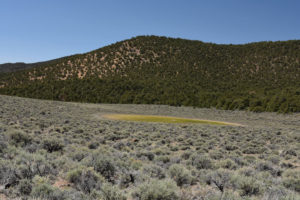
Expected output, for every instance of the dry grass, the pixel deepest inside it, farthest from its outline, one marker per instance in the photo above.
(165, 119)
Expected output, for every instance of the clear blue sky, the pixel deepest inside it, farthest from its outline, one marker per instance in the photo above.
(37, 30)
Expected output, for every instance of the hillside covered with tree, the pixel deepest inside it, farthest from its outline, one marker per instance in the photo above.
(263, 76)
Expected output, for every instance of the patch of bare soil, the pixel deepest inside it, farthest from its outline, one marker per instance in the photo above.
(61, 183)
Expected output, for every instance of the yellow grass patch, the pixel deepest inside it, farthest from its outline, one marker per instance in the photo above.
(165, 119)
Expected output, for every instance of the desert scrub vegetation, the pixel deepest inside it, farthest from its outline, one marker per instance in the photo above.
(60, 151)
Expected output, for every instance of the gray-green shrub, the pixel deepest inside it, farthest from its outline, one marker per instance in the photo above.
(180, 174)
(19, 138)
(85, 179)
(157, 190)
(291, 179)
(202, 162)
(52, 145)
(25, 187)
(249, 186)
(105, 166)
(154, 171)
(110, 192)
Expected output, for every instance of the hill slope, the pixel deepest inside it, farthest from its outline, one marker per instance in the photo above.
(158, 70)
(18, 66)
(12, 67)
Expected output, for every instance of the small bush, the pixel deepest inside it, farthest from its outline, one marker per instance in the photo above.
(290, 152)
(180, 175)
(154, 171)
(267, 166)
(105, 166)
(228, 164)
(149, 155)
(252, 150)
(47, 191)
(240, 161)
(110, 192)
(202, 162)
(274, 159)
(157, 190)
(93, 145)
(127, 179)
(186, 155)
(291, 179)
(230, 147)
(32, 148)
(8, 174)
(52, 145)
(78, 156)
(249, 186)
(3, 146)
(30, 165)
(264, 166)
(24, 187)
(247, 171)
(220, 178)
(163, 159)
(216, 155)
(277, 193)
(250, 159)
(85, 179)
(19, 138)
(43, 190)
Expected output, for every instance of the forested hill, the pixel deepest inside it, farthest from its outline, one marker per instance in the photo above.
(262, 76)
(12, 67)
